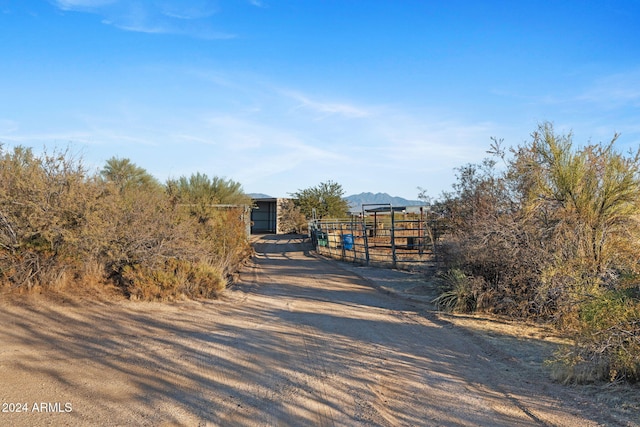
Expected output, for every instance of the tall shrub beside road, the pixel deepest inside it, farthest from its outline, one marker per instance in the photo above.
(292, 220)
(46, 217)
(60, 225)
(555, 236)
(218, 208)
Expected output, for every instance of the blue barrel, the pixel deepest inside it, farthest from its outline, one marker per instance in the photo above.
(347, 241)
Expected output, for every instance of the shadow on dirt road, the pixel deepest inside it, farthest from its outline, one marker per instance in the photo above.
(298, 341)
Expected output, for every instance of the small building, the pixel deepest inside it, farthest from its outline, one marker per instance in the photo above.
(265, 215)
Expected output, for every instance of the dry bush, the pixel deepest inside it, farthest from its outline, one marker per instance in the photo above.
(498, 254)
(43, 210)
(61, 227)
(141, 227)
(229, 245)
(493, 244)
(548, 238)
(149, 232)
(292, 220)
(174, 279)
(607, 333)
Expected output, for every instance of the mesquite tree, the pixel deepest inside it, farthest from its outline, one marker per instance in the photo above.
(325, 198)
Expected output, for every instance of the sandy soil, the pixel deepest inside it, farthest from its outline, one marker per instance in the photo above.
(299, 341)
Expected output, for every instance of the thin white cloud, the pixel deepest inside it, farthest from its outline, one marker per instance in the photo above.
(191, 139)
(279, 148)
(85, 137)
(331, 139)
(326, 108)
(187, 10)
(180, 17)
(606, 92)
(254, 137)
(8, 127)
(82, 5)
(617, 90)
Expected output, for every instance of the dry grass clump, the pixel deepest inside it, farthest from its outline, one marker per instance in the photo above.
(173, 280)
(607, 332)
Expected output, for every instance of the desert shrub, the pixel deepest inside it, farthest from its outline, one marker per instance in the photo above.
(586, 202)
(498, 256)
(218, 211)
(44, 208)
(292, 220)
(172, 280)
(546, 232)
(142, 229)
(457, 292)
(607, 334)
(148, 229)
(60, 225)
(491, 241)
(226, 235)
(552, 237)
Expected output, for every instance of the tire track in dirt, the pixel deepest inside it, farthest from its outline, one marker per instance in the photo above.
(319, 372)
(506, 379)
(298, 341)
(491, 369)
(312, 373)
(383, 398)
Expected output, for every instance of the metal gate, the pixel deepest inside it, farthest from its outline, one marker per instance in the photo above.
(382, 235)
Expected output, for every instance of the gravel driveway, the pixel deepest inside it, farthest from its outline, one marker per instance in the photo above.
(299, 341)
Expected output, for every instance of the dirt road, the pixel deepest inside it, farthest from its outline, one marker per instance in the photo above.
(300, 341)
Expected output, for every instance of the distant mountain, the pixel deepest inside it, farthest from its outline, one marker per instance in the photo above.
(357, 200)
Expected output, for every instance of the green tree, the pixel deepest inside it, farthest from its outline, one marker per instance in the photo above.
(589, 201)
(125, 174)
(200, 189)
(325, 198)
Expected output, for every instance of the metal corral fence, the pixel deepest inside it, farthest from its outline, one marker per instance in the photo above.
(381, 235)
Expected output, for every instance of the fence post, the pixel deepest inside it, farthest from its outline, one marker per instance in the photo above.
(355, 250)
(366, 240)
(422, 232)
(342, 241)
(393, 237)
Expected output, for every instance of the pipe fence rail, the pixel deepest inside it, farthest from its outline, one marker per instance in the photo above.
(385, 236)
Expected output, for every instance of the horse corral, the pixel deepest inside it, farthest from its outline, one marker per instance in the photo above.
(382, 235)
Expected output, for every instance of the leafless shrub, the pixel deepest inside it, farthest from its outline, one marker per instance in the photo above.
(292, 220)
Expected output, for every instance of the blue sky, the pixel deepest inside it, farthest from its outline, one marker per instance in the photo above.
(380, 96)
